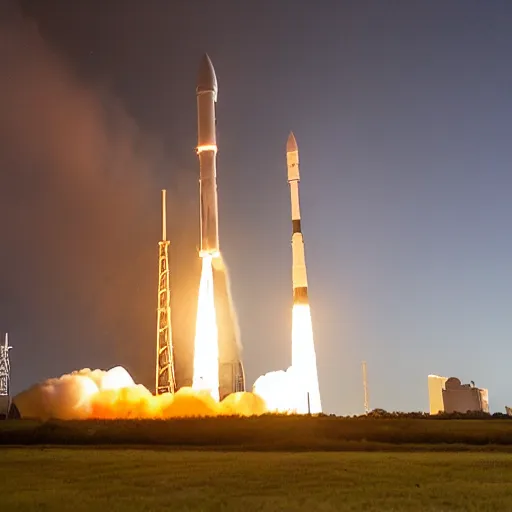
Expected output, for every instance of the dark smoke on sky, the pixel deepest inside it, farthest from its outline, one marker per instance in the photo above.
(79, 220)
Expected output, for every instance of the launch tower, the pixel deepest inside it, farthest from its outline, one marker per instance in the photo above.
(5, 373)
(165, 379)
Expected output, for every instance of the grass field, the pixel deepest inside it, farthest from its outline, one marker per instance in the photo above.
(269, 433)
(111, 480)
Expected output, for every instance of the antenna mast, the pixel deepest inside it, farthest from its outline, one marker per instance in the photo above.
(165, 379)
(365, 387)
(5, 368)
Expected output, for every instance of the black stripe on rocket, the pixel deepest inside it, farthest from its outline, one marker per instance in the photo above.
(300, 295)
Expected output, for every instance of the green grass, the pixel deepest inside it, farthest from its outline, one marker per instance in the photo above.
(269, 433)
(86, 479)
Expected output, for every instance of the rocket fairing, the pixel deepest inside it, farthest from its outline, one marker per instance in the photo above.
(206, 93)
(299, 276)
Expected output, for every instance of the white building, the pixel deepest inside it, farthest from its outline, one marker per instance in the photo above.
(450, 395)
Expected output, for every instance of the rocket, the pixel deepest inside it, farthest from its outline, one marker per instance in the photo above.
(299, 276)
(206, 92)
(231, 372)
(303, 346)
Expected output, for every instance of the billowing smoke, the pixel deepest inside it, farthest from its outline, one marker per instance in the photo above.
(96, 394)
(226, 312)
(295, 390)
(79, 203)
(279, 390)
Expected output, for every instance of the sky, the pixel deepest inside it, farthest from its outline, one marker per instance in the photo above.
(401, 111)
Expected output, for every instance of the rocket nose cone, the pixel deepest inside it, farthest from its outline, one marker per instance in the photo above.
(291, 144)
(206, 79)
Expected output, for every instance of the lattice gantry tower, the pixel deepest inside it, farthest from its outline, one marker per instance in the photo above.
(165, 379)
(5, 368)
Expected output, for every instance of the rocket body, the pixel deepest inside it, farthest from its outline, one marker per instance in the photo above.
(299, 276)
(230, 368)
(206, 93)
(303, 346)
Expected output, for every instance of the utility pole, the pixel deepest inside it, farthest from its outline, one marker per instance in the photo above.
(165, 378)
(365, 387)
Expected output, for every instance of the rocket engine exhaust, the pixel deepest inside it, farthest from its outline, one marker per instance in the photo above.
(206, 344)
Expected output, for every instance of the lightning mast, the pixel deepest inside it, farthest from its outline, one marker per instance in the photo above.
(5, 368)
(165, 379)
(365, 387)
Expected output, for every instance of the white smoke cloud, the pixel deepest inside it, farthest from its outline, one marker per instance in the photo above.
(112, 394)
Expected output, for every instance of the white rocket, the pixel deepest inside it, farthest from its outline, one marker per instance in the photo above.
(206, 92)
(299, 276)
(303, 346)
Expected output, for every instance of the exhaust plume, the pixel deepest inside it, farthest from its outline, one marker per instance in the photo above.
(304, 360)
(295, 390)
(206, 344)
(279, 390)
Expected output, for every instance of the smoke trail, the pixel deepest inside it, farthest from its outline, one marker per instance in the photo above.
(231, 373)
(225, 308)
(76, 203)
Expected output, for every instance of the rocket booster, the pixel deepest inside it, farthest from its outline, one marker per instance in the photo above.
(299, 276)
(206, 92)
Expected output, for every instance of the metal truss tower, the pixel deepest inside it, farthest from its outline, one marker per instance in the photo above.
(165, 379)
(365, 388)
(5, 368)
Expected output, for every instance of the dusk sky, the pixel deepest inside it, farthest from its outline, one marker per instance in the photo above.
(402, 113)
